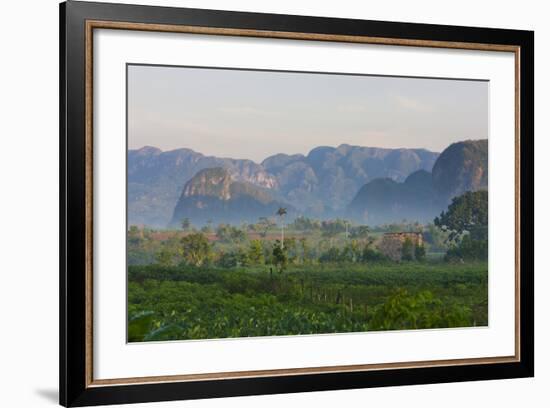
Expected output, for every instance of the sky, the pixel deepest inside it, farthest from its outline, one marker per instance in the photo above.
(255, 114)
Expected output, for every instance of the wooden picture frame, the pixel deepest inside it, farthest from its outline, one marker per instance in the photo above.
(78, 20)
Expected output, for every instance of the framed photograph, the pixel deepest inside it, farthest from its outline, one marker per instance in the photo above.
(256, 203)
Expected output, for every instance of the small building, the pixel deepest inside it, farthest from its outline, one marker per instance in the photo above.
(391, 244)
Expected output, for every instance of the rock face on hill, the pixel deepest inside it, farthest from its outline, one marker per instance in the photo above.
(156, 180)
(214, 195)
(462, 167)
(319, 184)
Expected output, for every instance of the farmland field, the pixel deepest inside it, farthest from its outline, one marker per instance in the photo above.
(181, 302)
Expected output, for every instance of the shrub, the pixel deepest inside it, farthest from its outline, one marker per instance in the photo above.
(371, 255)
(256, 252)
(280, 258)
(233, 259)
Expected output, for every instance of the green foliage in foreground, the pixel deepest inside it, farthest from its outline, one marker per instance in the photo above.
(178, 303)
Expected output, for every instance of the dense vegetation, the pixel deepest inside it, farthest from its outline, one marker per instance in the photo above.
(169, 303)
(309, 276)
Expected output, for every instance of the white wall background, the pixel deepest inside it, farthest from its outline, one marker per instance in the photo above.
(29, 202)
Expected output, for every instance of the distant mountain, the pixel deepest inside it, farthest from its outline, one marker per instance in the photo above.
(384, 200)
(320, 184)
(215, 195)
(156, 180)
(328, 178)
(463, 166)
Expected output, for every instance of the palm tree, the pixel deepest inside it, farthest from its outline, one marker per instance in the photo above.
(281, 213)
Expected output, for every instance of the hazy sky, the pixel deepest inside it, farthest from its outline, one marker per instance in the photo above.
(254, 114)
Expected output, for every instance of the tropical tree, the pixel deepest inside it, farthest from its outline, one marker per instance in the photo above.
(196, 250)
(466, 213)
(223, 232)
(264, 224)
(436, 238)
(229, 233)
(468, 249)
(281, 212)
(256, 252)
(352, 251)
(302, 223)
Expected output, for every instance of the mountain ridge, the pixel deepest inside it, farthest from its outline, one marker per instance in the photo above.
(321, 183)
(461, 167)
